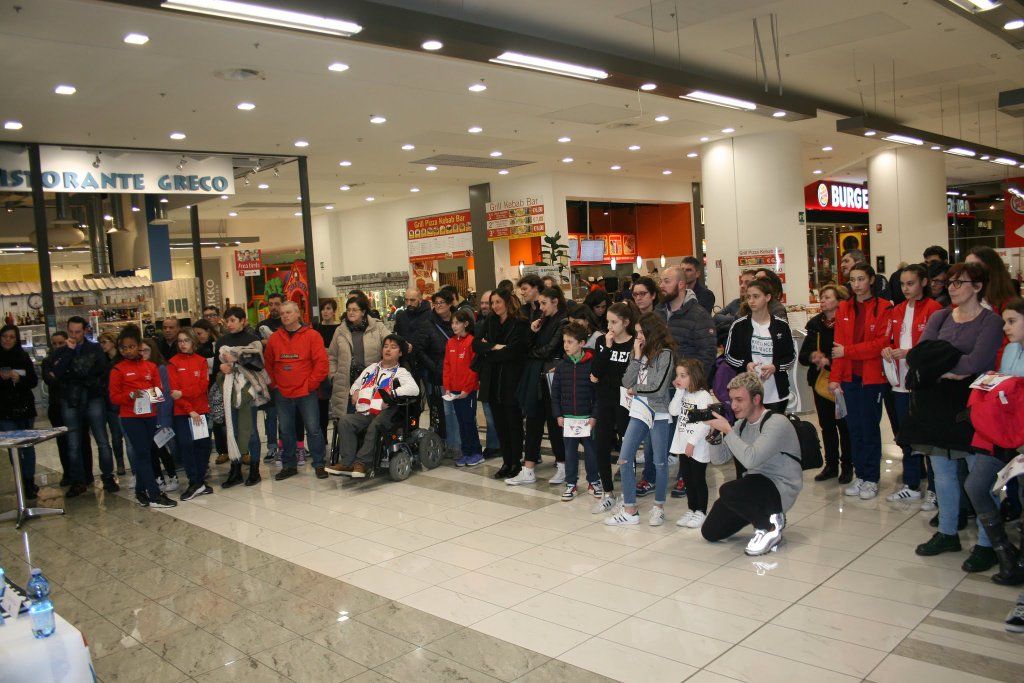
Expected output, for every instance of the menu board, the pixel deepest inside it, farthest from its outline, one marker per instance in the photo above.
(515, 218)
(440, 236)
(771, 258)
(591, 250)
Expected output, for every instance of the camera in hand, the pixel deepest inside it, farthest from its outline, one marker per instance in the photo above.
(705, 414)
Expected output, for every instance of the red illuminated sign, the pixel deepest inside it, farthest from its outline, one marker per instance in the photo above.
(827, 195)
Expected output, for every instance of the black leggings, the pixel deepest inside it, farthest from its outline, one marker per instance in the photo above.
(508, 422)
(695, 474)
(612, 419)
(752, 499)
(160, 455)
(834, 434)
(535, 429)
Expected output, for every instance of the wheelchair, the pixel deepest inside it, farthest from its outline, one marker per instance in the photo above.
(402, 446)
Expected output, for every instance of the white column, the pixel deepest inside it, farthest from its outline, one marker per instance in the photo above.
(908, 199)
(752, 190)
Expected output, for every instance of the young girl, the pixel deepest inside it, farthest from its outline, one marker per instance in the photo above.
(583, 315)
(762, 344)
(688, 442)
(648, 381)
(190, 381)
(164, 418)
(461, 380)
(611, 358)
(129, 380)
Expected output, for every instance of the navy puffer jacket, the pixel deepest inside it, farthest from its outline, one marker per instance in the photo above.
(572, 392)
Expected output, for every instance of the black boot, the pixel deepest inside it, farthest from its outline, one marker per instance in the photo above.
(829, 472)
(1011, 566)
(254, 473)
(234, 476)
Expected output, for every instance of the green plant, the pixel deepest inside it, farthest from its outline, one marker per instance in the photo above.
(554, 253)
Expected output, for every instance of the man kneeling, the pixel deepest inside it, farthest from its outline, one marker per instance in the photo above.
(767, 445)
(372, 394)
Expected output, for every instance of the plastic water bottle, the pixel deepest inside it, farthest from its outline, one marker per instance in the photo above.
(41, 609)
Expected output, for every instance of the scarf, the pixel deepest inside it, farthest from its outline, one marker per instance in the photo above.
(246, 383)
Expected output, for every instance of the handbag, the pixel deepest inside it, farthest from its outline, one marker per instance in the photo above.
(822, 382)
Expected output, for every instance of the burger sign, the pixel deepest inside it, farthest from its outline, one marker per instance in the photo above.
(827, 195)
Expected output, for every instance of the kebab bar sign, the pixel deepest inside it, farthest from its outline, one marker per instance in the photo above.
(515, 218)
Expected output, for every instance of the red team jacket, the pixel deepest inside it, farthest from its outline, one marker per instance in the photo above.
(189, 374)
(128, 376)
(458, 354)
(869, 351)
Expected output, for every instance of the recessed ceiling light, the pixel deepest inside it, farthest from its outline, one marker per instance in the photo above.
(474, 129)
(345, 188)
(302, 143)
(936, 147)
(65, 90)
(299, 198)
(246, 106)
(661, 118)
(816, 171)
(1014, 24)
(692, 155)
(414, 189)
(263, 186)
(985, 157)
(136, 39)
(634, 148)
(779, 114)
(345, 162)
(232, 213)
(177, 136)
(12, 125)
(503, 171)
(329, 207)
(432, 45)
(705, 139)
(666, 172)
(567, 160)
(408, 148)
(728, 130)
(370, 199)
(477, 87)
(648, 87)
(338, 66)
(430, 168)
(616, 167)
(869, 133)
(565, 138)
(297, 213)
(223, 196)
(495, 153)
(378, 119)
(826, 148)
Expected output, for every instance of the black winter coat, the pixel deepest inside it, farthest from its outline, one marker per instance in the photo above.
(82, 373)
(545, 347)
(819, 338)
(572, 392)
(406, 320)
(16, 399)
(429, 338)
(501, 369)
(694, 332)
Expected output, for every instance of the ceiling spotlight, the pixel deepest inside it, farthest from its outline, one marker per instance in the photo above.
(65, 90)
(107, 217)
(182, 162)
(648, 87)
(985, 157)
(246, 106)
(478, 87)
(277, 173)
(246, 179)
(136, 39)
(430, 168)
(869, 133)
(503, 171)
(12, 125)
(666, 172)
(414, 189)
(408, 148)
(263, 186)
(223, 196)
(728, 130)
(163, 200)
(826, 148)
(96, 162)
(302, 143)
(329, 207)
(345, 188)
(338, 67)
(177, 136)
(1014, 24)
(135, 206)
(474, 130)
(935, 148)
(661, 118)
(567, 160)
(256, 168)
(432, 45)
(779, 114)
(232, 213)
(616, 167)
(297, 213)
(565, 138)
(692, 155)
(345, 162)
(370, 199)
(634, 148)
(705, 139)
(495, 153)
(816, 171)
(378, 119)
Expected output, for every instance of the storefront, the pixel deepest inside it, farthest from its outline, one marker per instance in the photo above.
(836, 221)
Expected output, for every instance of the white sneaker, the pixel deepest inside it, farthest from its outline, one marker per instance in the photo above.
(765, 540)
(854, 488)
(569, 493)
(604, 505)
(868, 490)
(170, 484)
(623, 518)
(684, 521)
(657, 517)
(131, 483)
(525, 476)
(559, 477)
(697, 520)
(904, 494)
(928, 501)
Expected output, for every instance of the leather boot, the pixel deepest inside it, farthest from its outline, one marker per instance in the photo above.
(254, 473)
(234, 476)
(1011, 565)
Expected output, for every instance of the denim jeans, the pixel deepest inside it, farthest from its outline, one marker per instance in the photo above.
(572, 459)
(650, 473)
(80, 420)
(452, 429)
(636, 432)
(864, 416)
(270, 425)
(195, 453)
(116, 435)
(914, 464)
(139, 431)
(979, 489)
(492, 433)
(26, 455)
(464, 410)
(947, 491)
(308, 408)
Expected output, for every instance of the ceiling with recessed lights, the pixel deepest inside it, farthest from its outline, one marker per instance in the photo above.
(382, 122)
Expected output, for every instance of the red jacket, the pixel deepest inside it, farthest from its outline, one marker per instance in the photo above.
(876, 337)
(296, 362)
(189, 374)
(458, 354)
(128, 376)
(923, 310)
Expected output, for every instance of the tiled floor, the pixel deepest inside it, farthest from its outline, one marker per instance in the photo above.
(454, 576)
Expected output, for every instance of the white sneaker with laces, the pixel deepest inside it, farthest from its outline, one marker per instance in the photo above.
(569, 493)
(854, 488)
(525, 476)
(170, 484)
(657, 517)
(868, 490)
(559, 477)
(904, 494)
(765, 540)
(604, 505)
(697, 520)
(623, 518)
(684, 521)
(928, 501)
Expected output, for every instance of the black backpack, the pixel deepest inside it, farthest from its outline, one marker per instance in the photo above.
(807, 436)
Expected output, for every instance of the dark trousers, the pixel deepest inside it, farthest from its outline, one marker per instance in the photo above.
(54, 413)
(695, 474)
(535, 429)
(914, 464)
(348, 429)
(436, 405)
(612, 419)
(324, 405)
(465, 413)
(863, 418)
(752, 499)
(508, 421)
(140, 432)
(834, 434)
(220, 437)
(160, 456)
(195, 454)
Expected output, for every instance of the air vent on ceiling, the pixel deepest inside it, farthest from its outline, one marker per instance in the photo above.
(1012, 102)
(623, 124)
(239, 73)
(470, 162)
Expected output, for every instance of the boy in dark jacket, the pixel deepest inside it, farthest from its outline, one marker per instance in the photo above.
(574, 403)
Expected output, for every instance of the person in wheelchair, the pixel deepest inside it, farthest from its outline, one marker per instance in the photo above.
(374, 396)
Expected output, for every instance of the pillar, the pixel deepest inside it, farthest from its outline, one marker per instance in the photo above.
(907, 204)
(753, 196)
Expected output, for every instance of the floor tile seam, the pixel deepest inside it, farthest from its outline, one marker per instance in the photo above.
(958, 658)
(208, 635)
(470, 666)
(822, 635)
(936, 631)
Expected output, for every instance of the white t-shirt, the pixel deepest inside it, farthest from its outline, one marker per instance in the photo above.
(762, 350)
(690, 432)
(906, 342)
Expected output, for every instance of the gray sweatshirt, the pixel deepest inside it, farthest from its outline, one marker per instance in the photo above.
(659, 380)
(762, 449)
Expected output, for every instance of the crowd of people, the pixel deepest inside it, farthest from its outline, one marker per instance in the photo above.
(657, 369)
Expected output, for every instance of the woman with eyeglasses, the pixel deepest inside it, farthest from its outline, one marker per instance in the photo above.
(645, 294)
(933, 426)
